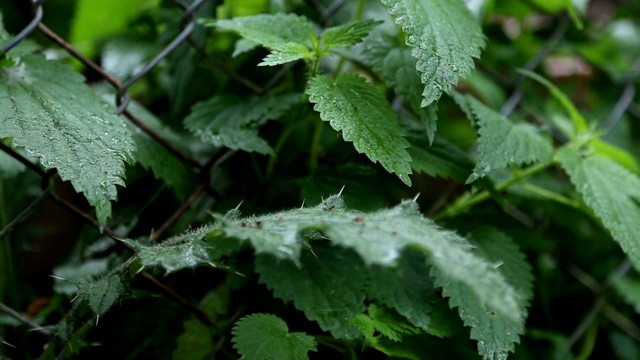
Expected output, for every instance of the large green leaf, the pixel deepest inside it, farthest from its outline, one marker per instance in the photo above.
(612, 192)
(232, 122)
(496, 333)
(47, 109)
(503, 143)
(397, 67)
(267, 337)
(327, 287)
(444, 36)
(359, 110)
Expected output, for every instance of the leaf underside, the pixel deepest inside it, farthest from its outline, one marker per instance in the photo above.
(361, 113)
(347, 34)
(47, 109)
(444, 37)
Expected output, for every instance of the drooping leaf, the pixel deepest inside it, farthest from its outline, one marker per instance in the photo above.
(184, 251)
(327, 287)
(347, 34)
(287, 53)
(47, 109)
(444, 37)
(289, 36)
(397, 68)
(267, 337)
(103, 293)
(612, 192)
(360, 111)
(231, 122)
(503, 143)
(195, 343)
(496, 333)
(379, 238)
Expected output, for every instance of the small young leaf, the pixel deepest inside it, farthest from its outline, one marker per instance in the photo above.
(445, 37)
(231, 122)
(195, 343)
(103, 293)
(184, 251)
(328, 287)
(47, 109)
(362, 114)
(386, 321)
(267, 337)
(612, 192)
(347, 34)
(287, 53)
(397, 67)
(503, 143)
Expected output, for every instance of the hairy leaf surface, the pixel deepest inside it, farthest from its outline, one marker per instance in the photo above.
(397, 68)
(47, 109)
(327, 287)
(444, 37)
(266, 337)
(347, 34)
(103, 293)
(503, 143)
(612, 192)
(231, 122)
(496, 333)
(360, 111)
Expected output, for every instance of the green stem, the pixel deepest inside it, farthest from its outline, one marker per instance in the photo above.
(552, 196)
(589, 343)
(315, 146)
(276, 149)
(356, 16)
(469, 199)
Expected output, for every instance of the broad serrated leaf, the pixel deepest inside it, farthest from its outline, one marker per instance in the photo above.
(103, 293)
(503, 143)
(267, 337)
(195, 343)
(379, 238)
(184, 251)
(407, 288)
(287, 35)
(327, 287)
(397, 68)
(347, 34)
(612, 192)
(496, 333)
(444, 36)
(287, 53)
(231, 122)
(360, 112)
(47, 109)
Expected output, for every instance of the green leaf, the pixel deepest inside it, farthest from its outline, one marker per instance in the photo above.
(405, 288)
(328, 286)
(287, 53)
(503, 143)
(265, 336)
(496, 333)
(397, 68)
(385, 321)
(231, 122)
(444, 36)
(379, 238)
(579, 122)
(347, 34)
(195, 343)
(47, 109)
(184, 251)
(290, 36)
(612, 192)
(629, 289)
(360, 111)
(103, 293)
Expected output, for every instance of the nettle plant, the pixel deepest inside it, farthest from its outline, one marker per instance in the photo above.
(354, 271)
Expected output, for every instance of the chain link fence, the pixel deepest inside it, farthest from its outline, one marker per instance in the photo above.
(123, 100)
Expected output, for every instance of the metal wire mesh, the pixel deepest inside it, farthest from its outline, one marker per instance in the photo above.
(123, 100)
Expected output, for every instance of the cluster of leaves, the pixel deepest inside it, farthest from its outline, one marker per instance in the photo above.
(281, 106)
